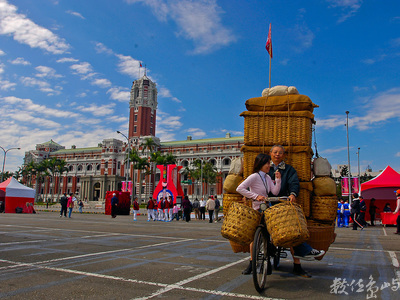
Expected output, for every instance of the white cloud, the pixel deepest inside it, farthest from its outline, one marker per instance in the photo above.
(2, 68)
(27, 32)
(128, 65)
(81, 68)
(67, 59)
(101, 48)
(28, 106)
(164, 92)
(46, 72)
(41, 85)
(6, 85)
(121, 94)
(199, 21)
(2, 52)
(104, 83)
(76, 14)
(379, 109)
(349, 7)
(196, 132)
(96, 110)
(167, 125)
(20, 61)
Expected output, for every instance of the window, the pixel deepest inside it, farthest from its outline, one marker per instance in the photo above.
(227, 162)
(134, 129)
(135, 118)
(71, 168)
(98, 167)
(89, 168)
(119, 165)
(137, 93)
(79, 168)
(69, 179)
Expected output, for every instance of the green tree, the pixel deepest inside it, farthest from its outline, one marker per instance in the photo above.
(344, 172)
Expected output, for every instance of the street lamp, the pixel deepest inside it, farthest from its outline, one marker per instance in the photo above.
(128, 166)
(359, 174)
(4, 159)
(348, 154)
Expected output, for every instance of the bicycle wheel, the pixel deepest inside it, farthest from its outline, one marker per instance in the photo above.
(277, 258)
(260, 259)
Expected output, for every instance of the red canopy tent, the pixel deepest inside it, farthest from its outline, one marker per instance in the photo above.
(382, 188)
(15, 195)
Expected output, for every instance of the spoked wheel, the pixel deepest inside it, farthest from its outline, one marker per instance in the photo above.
(260, 260)
(277, 258)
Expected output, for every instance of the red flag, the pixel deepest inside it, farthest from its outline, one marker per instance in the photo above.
(140, 64)
(268, 46)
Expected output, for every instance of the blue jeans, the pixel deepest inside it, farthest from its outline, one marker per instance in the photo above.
(69, 212)
(302, 249)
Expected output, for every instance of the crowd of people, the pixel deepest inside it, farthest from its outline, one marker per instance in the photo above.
(356, 212)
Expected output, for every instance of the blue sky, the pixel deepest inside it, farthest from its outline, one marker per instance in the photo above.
(67, 66)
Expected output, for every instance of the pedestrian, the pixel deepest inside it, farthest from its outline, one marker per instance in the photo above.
(203, 209)
(80, 204)
(355, 211)
(363, 210)
(114, 205)
(170, 208)
(70, 205)
(387, 208)
(187, 208)
(175, 212)
(290, 187)
(340, 214)
(196, 209)
(210, 206)
(150, 210)
(372, 211)
(346, 214)
(397, 210)
(155, 208)
(160, 216)
(64, 202)
(135, 208)
(217, 208)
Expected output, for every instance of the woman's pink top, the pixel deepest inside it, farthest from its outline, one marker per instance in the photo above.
(254, 186)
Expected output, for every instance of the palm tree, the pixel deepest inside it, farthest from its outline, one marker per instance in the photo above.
(148, 146)
(61, 168)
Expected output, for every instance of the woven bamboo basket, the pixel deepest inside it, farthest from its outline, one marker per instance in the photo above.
(321, 235)
(304, 197)
(286, 224)
(228, 199)
(324, 208)
(240, 223)
(277, 127)
(299, 157)
(239, 248)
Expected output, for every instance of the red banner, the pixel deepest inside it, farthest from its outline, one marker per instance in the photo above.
(355, 185)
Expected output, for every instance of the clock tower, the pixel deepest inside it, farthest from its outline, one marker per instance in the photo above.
(142, 108)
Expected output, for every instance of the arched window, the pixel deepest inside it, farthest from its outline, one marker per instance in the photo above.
(98, 167)
(80, 168)
(89, 167)
(213, 162)
(71, 168)
(227, 162)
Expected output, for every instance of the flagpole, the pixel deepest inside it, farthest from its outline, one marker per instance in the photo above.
(270, 60)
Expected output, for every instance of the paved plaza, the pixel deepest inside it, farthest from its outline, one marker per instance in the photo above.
(92, 256)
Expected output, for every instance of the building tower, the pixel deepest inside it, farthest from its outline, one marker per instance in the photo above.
(142, 108)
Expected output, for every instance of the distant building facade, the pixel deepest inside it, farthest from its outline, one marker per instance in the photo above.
(95, 170)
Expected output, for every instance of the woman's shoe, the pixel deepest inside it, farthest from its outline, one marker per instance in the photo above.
(249, 269)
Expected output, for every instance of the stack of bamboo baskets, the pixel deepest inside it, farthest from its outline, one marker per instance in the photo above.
(286, 119)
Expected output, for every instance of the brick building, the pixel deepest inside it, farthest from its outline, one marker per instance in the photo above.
(93, 171)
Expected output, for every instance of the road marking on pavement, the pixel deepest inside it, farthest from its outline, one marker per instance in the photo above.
(357, 249)
(165, 287)
(393, 256)
(179, 285)
(384, 231)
